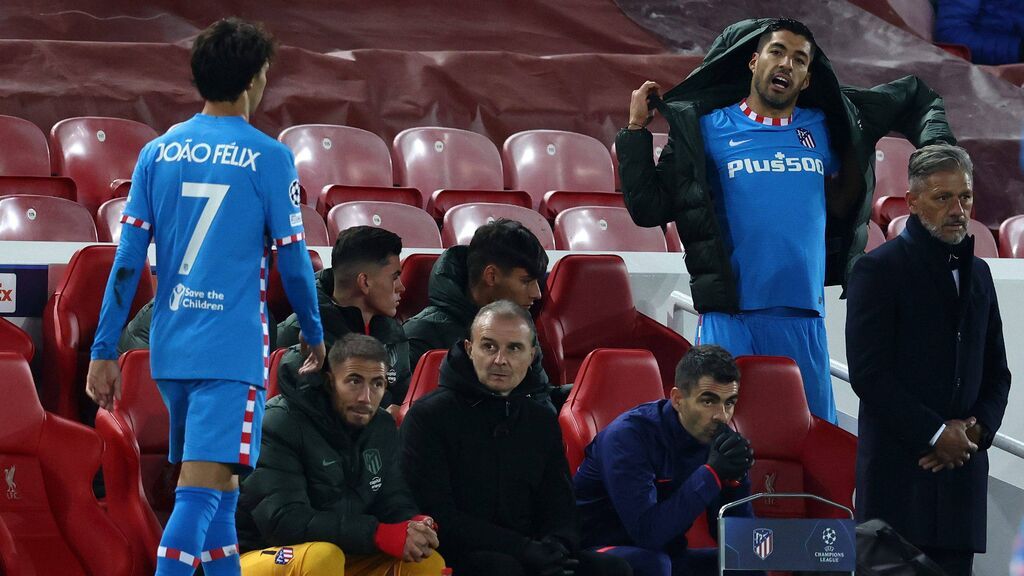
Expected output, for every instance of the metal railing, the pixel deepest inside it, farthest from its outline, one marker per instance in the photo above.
(1010, 445)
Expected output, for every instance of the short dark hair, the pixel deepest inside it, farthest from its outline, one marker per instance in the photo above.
(507, 244)
(706, 360)
(354, 345)
(505, 309)
(795, 26)
(358, 246)
(227, 56)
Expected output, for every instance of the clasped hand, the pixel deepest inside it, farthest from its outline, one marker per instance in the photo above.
(954, 446)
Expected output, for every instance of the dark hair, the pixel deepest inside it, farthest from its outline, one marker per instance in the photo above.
(788, 24)
(505, 309)
(934, 158)
(507, 244)
(361, 245)
(706, 360)
(354, 345)
(227, 56)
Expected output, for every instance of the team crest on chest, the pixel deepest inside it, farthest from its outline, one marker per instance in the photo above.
(805, 137)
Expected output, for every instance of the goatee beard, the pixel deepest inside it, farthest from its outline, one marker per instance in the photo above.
(936, 232)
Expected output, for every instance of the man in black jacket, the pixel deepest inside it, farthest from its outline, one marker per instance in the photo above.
(360, 293)
(327, 496)
(488, 463)
(769, 174)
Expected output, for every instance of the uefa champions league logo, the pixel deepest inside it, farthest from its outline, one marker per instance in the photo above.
(828, 536)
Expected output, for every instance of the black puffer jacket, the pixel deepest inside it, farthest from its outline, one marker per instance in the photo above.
(317, 479)
(490, 469)
(340, 320)
(678, 189)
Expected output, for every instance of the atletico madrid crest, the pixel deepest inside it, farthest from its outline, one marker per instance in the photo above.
(284, 555)
(805, 136)
(763, 543)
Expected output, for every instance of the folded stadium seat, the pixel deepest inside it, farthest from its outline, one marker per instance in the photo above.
(416, 227)
(273, 389)
(539, 161)
(140, 482)
(659, 139)
(108, 220)
(598, 228)
(94, 151)
(794, 451)
(590, 305)
(277, 300)
(984, 242)
(891, 158)
(48, 463)
(888, 207)
(461, 222)
(441, 201)
(557, 201)
(875, 236)
(327, 154)
(45, 218)
(69, 325)
(14, 339)
(10, 560)
(1011, 237)
(424, 380)
(335, 194)
(675, 244)
(315, 228)
(415, 277)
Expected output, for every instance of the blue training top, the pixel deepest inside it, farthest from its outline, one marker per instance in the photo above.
(768, 183)
(216, 193)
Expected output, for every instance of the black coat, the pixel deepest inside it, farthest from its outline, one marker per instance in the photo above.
(919, 355)
(490, 469)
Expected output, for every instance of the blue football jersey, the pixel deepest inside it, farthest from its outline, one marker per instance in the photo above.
(216, 194)
(768, 184)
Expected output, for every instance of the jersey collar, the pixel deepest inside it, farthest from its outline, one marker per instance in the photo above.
(763, 119)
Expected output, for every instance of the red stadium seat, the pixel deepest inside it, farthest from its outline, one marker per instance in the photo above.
(875, 236)
(277, 300)
(675, 244)
(326, 154)
(659, 140)
(10, 560)
(23, 148)
(45, 218)
(339, 194)
(557, 201)
(794, 450)
(424, 380)
(1012, 73)
(415, 226)
(14, 339)
(461, 222)
(273, 388)
(589, 306)
(441, 201)
(539, 161)
(95, 151)
(49, 510)
(416, 270)
(69, 325)
(888, 207)
(605, 229)
(108, 220)
(1011, 237)
(892, 155)
(433, 158)
(140, 482)
(315, 228)
(984, 242)
(58, 186)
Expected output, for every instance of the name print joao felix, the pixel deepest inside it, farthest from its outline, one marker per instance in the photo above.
(225, 154)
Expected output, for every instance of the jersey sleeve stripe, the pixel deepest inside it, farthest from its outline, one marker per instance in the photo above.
(290, 239)
(132, 221)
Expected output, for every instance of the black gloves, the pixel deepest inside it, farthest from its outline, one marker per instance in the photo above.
(731, 455)
(548, 557)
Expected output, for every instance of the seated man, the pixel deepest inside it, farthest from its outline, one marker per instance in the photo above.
(327, 496)
(488, 463)
(360, 293)
(504, 261)
(648, 476)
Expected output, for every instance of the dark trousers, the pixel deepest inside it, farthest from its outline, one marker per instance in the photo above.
(953, 562)
(700, 562)
(497, 564)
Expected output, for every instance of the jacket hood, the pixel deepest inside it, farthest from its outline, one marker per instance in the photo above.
(458, 375)
(448, 287)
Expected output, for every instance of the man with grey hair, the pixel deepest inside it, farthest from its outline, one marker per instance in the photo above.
(925, 345)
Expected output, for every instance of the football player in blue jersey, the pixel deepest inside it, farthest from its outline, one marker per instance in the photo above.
(768, 174)
(216, 195)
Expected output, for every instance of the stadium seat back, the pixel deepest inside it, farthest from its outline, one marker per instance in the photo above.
(888, 207)
(108, 220)
(314, 227)
(1011, 237)
(891, 158)
(441, 201)
(557, 201)
(597, 228)
(984, 243)
(432, 158)
(875, 236)
(327, 154)
(273, 388)
(672, 239)
(23, 148)
(335, 194)
(14, 339)
(415, 226)
(10, 560)
(461, 222)
(416, 269)
(45, 218)
(277, 300)
(658, 139)
(95, 151)
(539, 161)
(58, 186)
(424, 380)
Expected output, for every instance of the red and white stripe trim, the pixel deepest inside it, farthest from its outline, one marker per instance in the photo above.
(218, 553)
(172, 554)
(245, 447)
(763, 119)
(132, 221)
(290, 239)
(264, 273)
